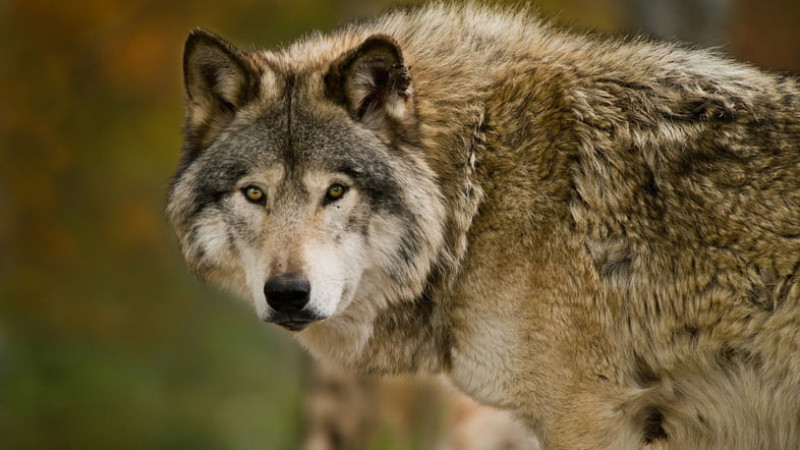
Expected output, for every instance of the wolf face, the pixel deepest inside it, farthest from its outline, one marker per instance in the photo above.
(301, 187)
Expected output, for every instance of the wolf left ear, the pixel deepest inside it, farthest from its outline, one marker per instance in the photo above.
(372, 82)
(219, 79)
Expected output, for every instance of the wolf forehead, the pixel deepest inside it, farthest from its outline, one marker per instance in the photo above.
(345, 111)
(297, 140)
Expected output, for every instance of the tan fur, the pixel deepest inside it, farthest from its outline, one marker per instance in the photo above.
(621, 231)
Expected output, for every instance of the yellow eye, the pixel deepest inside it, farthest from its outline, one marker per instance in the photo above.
(254, 194)
(335, 192)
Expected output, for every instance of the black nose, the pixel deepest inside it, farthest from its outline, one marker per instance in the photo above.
(287, 293)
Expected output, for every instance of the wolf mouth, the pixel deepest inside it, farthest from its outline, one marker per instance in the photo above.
(294, 322)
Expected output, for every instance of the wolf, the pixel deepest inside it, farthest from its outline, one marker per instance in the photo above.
(599, 234)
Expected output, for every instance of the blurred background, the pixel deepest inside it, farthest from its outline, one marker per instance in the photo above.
(106, 341)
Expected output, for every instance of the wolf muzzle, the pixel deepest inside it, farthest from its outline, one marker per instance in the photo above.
(288, 294)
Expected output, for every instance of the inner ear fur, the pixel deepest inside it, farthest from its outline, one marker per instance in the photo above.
(219, 79)
(372, 82)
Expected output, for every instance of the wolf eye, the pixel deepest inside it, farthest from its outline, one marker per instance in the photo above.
(253, 194)
(335, 192)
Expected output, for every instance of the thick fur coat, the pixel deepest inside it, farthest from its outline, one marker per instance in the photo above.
(600, 235)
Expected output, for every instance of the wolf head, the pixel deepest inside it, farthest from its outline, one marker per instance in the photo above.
(302, 186)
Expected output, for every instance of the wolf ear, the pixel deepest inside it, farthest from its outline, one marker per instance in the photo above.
(372, 82)
(219, 79)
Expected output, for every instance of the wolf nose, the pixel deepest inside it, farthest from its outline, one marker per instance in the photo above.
(287, 293)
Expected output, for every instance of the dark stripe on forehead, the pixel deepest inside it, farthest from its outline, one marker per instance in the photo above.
(293, 156)
(289, 155)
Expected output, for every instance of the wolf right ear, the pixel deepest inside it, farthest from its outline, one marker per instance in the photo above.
(219, 79)
(372, 82)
